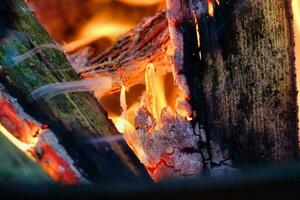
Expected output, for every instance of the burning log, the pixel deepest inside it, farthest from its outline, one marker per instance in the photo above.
(37, 141)
(241, 102)
(77, 119)
(159, 133)
(17, 167)
(126, 61)
(238, 60)
(210, 92)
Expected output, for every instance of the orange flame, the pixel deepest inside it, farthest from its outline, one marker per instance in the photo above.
(155, 94)
(19, 129)
(160, 92)
(140, 2)
(210, 5)
(94, 23)
(154, 99)
(296, 11)
(57, 168)
(92, 31)
(20, 145)
(121, 122)
(105, 25)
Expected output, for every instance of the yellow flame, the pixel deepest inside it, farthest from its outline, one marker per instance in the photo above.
(123, 102)
(121, 124)
(140, 153)
(210, 8)
(155, 93)
(20, 145)
(95, 30)
(125, 122)
(140, 2)
(296, 11)
(197, 33)
(150, 90)
(155, 101)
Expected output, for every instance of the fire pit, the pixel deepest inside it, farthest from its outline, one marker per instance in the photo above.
(125, 91)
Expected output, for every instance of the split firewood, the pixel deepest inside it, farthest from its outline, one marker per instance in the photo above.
(239, 65)
(235, 92)
(29, 59)
(16, 167)
(233, 102)
(165, 141)
(126, 61)
(37, 141)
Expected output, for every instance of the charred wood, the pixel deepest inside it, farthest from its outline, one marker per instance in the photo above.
(125, 62)
(239, 66)
(76, 118)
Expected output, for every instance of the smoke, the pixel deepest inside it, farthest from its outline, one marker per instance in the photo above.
(46, 92)
(105, 140)
(28, 54)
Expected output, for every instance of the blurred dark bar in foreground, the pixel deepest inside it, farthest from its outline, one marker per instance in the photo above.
(272, 182)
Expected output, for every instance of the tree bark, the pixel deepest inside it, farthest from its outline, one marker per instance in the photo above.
(241, 76)
(77, 118)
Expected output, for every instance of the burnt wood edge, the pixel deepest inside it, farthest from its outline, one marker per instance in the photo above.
(123, 157)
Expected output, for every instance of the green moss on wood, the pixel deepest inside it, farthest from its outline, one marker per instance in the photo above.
(75, 117)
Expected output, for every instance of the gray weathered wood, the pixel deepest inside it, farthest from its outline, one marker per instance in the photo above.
(243, 83)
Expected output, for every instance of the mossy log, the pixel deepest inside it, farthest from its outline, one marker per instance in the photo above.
(76, 118)
(240, 69)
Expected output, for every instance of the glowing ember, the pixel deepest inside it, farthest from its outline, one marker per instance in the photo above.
(58, 168)
(197, 33)
(22, 146)
(36, 141)
(296, 10)
(210, 5)
(22, 130)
